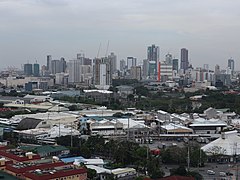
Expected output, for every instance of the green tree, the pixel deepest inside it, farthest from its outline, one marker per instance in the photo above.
(91, 174)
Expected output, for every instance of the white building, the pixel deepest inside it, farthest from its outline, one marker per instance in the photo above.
(106, 127)
(166, 72)
(228, 144)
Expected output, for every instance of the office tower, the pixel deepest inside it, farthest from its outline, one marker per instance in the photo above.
(175, 64)
(58, 66)
(113, 62)
(74, 70)
(80, 58)
(78, 72)
(136, 73)
(131, 61)
(36, 69)
(153, 59)
(184, 59)
(49, 59)
(122, 65)
(83, 59)
(62, 65)
(217, 69)
(231, 64)
(55, 66)
(145, 68)
(28, 70)
(102, 75)
(168, 59)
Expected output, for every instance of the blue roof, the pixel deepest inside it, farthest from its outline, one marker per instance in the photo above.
(71, 159)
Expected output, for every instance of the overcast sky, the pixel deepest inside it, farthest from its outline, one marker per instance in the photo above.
(32, 29)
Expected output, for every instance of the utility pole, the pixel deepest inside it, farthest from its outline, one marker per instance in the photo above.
(71, 136)
(128, 136)
(188, 157)
(59, 133)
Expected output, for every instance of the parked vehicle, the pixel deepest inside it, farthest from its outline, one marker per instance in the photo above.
(229, 174)
(210, 172)
(222, 174)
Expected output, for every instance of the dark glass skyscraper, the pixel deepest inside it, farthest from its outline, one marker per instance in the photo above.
(36, 69)
(175, 64)
(28, 70)
(184, 59)
(153, 59)
(231, 64)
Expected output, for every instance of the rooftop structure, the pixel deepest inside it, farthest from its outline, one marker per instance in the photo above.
(176, 129)
(17, 155)
(227, 144)
(64, 171)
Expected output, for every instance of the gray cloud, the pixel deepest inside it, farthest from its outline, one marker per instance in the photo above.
(30, 29)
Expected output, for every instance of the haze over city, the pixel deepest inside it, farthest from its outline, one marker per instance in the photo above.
(32, 29)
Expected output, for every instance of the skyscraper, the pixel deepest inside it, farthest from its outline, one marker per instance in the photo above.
(113, 62)
(122, 65)
(58, 66)
(63, 65)
(175, 64)
(168, 59)
(136, 72)
(79, 73)
(131, 61)
(102, 75)
(145, 68)
(49, 59)
(153, 59)
(28, 70)
(36, 69)
(217, 69)
(184, 59)
(231, 64)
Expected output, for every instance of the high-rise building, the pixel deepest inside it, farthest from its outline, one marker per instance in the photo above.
(58, 66)
(63, 65)
(131, 61)
(136, 73)
(168, 59)
(113, 62)
(175, 64)
(28, 69)
(79, 73)
(153, 59)
(166, 72)
(184, 59)
(36, 69)
(217, 69)
(102, 76)
(145, 68)
(231, 64)
(49, 59)
(122, 65)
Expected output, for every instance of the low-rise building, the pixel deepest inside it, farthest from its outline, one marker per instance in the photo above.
(207, 126)
(106, 127)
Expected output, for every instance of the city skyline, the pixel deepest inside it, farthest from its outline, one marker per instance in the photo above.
(30, 30)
